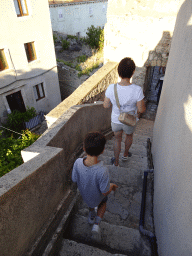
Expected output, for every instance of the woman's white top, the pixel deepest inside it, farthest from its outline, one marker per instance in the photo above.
(128, 96)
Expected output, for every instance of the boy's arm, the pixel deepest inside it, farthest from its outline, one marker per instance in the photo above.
(112, 187)
(73, 176)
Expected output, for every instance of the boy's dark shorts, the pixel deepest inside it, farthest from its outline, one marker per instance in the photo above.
(103, 201)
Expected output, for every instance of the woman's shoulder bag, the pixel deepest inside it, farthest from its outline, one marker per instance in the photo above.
(124, 117)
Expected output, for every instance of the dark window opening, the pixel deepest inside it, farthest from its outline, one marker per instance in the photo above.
(39, 91)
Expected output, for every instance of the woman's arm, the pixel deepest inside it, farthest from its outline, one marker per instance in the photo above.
(107, 103)
(141, 107)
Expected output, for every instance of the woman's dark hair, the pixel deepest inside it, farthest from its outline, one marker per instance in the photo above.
(126, 68)
(94, 143)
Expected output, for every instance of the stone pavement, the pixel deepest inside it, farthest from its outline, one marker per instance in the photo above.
(120, 225)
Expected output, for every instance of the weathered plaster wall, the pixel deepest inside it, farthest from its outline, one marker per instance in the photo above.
(21, 74)
(31, 193)
(141, 30)
(172, 145)
(75, 17)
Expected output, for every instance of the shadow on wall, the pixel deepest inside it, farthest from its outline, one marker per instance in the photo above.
(172, 145)
(156, 57)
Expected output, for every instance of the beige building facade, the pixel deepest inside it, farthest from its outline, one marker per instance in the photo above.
(28, 69)
(75, 17)
(172, 145)
(141, 30)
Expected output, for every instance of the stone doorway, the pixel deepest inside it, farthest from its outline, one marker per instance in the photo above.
(15, 101)
(153, 74)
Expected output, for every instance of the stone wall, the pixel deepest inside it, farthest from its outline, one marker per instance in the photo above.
(91, 90)
(68, 80)
(31, 193)
(141, 30)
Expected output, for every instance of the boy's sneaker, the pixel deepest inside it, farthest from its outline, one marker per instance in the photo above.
(96, 233)
(91, 217)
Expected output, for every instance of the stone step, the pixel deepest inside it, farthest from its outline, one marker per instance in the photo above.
(122, 239)
(136, 149)
(136, 162)
(72, 248)
(123, 207)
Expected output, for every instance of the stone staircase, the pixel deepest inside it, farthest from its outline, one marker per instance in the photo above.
(120, 226)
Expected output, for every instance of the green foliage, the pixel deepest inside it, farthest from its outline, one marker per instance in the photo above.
(68, 63)
(78, 67)
(65, 44)
(101, 40)
(10, 150)
(72, 37)
(81, 58)
(54, 38)
(88, 70)
(16, 118)
(95, 37)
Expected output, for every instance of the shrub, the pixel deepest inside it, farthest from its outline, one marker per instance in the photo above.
(81, 58)
(72, 37)
(78, 68)
(88, 70)
(67, 63)
(10, 150)
(65, 44)
(16, 118)
(54, 38)
(95, 37)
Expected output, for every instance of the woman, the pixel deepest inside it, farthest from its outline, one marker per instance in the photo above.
(131, 99)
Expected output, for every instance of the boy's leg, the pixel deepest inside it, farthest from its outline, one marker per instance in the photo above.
(101, 210)
(91, 216)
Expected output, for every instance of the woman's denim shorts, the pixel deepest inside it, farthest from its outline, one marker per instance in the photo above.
(126, 128)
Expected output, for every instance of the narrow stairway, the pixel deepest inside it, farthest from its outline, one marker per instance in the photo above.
(120, 226)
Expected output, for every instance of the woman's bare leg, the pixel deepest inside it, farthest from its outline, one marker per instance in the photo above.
(128, 143)
(117, 146)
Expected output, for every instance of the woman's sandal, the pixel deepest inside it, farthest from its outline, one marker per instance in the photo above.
(125, 158)
(113, 161)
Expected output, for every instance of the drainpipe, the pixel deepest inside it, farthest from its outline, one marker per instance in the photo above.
(143, 231)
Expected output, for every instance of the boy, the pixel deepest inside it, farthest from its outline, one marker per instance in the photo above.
(92, 179)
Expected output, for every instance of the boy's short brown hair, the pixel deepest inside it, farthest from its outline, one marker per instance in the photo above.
(94, 143)
(126, 68)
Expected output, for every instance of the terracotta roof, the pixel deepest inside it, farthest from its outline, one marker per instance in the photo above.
(66, 1)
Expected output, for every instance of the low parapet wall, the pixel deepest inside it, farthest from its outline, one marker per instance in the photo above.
(31, 193)
(91, 90)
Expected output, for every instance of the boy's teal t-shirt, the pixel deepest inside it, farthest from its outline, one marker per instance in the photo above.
(91, 181)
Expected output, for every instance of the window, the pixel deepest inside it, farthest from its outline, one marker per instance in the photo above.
(21, 8)
(3, 62)
(30, 51)
(39, 91)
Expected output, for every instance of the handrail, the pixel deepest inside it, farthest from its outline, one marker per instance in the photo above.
(143, 231)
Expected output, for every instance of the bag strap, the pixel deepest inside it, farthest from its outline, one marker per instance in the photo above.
(116, 96)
